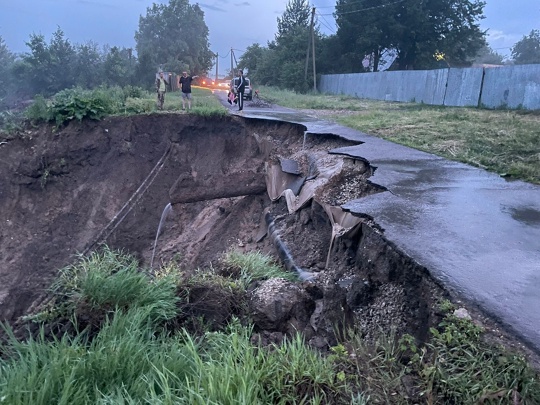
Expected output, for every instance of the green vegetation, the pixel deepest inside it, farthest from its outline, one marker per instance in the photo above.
(78, 104)
(456, 366)
(10, 123)
(122, 341)
(134, 357)
(204, 103)
(255, 266)
(503, 141)
(173, 35)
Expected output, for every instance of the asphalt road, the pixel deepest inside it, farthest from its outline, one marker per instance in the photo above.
(476, 232)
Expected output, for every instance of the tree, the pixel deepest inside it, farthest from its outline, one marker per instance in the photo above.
(88, 65)
(48, 68)
(488, 56)
(7, 59)
(116, 67)
(415, 29)
(251, 59)
(365, 28)
(174, 37)
(527, 50)
(296, 16)
(283, 63)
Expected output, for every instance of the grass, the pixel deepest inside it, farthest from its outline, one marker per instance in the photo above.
(107, 280)
(255, 266)
(77, 104)
(133, 359)
(203, 103)
(503, 141)
(456, 366)
(136, 357)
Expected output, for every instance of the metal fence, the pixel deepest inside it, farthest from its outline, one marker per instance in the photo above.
(510, 87)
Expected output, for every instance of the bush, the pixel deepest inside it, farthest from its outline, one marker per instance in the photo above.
(133, 92)
(109, 280)
(139, 106)
(77, 104)
(38, 111)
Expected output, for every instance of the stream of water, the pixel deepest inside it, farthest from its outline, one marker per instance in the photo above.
(164, 215)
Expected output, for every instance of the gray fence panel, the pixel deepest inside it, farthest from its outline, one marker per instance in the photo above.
(434, 87)
(512, 87)
(507, 86)
(464, 85)
(531, 98)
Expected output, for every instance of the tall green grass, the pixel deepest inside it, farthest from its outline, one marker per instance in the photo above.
(127, 363)
(78, 104)
(108, 280)
(132, 359)
(136, 357)
(256, 266)
(203, 103)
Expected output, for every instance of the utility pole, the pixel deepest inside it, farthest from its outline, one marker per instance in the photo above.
(309, 40)
(232, 56)
(313, 50)
(217, 62)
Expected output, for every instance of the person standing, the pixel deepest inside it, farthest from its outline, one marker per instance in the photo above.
(240, 88)
(185, 83)
(161, 88)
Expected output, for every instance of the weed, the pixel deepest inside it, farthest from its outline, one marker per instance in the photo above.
(108, 280)
(255, 266)
(38, 111)
(77, 104)
(457, 366)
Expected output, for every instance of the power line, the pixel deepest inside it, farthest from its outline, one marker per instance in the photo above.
(365, 9)
(326, 23)
(348, 4)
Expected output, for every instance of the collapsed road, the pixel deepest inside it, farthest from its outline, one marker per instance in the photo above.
(371, 217)
(476, 232)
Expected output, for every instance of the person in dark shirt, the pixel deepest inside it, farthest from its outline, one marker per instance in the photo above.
(185, 82)
(240, 87)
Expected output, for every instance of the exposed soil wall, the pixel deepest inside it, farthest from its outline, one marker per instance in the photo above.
(66, 191)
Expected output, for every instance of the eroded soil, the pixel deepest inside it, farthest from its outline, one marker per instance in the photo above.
(64, 192)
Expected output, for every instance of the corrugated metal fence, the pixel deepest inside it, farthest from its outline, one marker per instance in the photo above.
(502, 87)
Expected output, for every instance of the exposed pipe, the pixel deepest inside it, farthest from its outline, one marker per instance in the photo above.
(283, 252)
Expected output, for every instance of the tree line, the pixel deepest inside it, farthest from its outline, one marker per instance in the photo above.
(371, 35)
(163, 41)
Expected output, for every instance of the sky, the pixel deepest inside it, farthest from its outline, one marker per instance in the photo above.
(232, 24)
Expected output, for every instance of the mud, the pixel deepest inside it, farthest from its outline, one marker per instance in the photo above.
(64, 192)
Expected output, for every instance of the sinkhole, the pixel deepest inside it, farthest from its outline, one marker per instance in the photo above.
(210, 185)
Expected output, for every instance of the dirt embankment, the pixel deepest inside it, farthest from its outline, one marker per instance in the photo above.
(64, 192)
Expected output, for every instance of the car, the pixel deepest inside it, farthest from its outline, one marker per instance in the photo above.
(224, 85)
(205, 82)
(248, 91)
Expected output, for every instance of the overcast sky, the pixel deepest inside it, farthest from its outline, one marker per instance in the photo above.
(232, 23)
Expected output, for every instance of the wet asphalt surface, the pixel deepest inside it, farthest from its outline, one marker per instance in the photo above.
(477, 233)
